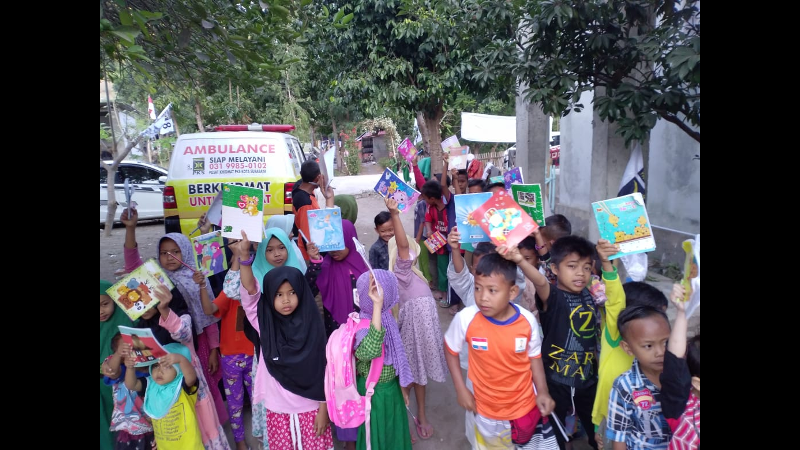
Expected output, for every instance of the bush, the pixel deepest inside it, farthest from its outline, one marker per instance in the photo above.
(353, 163)
(391, 163)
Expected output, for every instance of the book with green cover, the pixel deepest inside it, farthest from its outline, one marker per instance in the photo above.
(529, 197)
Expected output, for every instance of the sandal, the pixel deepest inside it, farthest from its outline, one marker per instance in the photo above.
(428, 428)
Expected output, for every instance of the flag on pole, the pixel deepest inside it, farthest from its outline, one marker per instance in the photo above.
(162, 125)
(151, 109)
(633, 177)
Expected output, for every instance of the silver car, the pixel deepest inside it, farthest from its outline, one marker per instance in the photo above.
(148, 183)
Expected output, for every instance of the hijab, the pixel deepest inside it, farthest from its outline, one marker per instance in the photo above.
(159, 398)
(413, 249)
(347, 203)
(293, 346)
(111, 326)
(286, 223)
(261, 267)
(395, 352)
(182, 278)
(179, 307)
(334, 277)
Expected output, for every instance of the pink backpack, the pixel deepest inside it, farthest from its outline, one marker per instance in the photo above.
(346, 407)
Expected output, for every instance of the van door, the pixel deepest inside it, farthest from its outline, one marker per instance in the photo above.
(295, 152)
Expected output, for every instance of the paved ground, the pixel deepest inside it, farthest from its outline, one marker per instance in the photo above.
(444, 413)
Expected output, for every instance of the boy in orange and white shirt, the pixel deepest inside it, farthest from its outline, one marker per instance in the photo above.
(504, 351)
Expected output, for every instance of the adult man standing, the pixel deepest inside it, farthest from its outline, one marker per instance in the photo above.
(303, 199)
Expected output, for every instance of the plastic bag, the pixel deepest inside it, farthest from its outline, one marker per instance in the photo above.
(635, 265)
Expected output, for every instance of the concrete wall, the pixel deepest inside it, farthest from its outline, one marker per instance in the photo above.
(573, 184)
(673, 190)
(533, 140)
(593, 159)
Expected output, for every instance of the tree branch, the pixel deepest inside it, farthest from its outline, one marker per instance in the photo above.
(681, 124)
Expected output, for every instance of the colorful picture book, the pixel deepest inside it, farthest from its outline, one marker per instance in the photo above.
(435, 241)
(529, 197)
(458, 157)
(144, 346)
(134, 292)
(504, 220)
(407, 149)
(623, 221)
(210, 253)
(452, 141)
(468, 224)
(391, 185)
(691, 275)
(325, 227)
(242, 209)
(513, 176)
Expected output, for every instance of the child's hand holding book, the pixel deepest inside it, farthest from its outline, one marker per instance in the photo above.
(164, 296)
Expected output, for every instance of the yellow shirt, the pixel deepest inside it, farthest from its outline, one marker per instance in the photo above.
(178, 430)
(613, 359)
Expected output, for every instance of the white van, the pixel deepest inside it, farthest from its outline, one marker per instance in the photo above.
(261, 156)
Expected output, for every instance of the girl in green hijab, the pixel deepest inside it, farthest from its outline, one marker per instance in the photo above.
(111, 318)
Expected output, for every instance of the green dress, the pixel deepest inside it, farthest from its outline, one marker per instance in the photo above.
(388, 418)
(107, 330)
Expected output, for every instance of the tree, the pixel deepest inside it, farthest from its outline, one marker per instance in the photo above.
(419, 55)
(643, 54)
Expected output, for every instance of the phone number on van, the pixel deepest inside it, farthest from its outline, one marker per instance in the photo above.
(252, 165)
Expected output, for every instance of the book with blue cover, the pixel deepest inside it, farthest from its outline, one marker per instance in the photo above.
(391, 185)
(325, 227)
(468, 225)
(623, 221)
(513, 176)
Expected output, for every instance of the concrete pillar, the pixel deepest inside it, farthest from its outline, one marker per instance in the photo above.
(533, 140)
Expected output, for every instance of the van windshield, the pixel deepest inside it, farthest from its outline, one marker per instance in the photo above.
(246, 156)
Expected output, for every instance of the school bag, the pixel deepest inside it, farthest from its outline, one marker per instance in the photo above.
(346, 407)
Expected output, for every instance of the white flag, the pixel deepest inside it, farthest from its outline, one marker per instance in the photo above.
(151, 109)
(632, 178)
(162, 125)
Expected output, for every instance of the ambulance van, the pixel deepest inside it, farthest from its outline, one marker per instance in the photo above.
(261, 156)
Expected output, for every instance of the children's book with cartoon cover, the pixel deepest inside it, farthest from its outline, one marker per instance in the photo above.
(623, 221)
(435, 241)
(325, 227)
(468, 224)
(134, 292)
(209, 253)
(391, 185)
(513, 176)
(458, 157)
(504, 220)
(691, 275)
(407, 149)
(529, 197)
(242, 209)
(144, 346)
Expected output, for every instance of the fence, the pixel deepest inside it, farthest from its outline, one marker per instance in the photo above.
(495, 157)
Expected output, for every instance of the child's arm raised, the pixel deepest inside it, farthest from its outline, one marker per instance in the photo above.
(452, 239)
(189, 374)
(676, 380)
(208, 306)
(376, 294)
(399, 233)
(130, 226)
(443, 178)
(111, 367)
(512, 253)
(131, 382)
(677, 337)
(241, 250)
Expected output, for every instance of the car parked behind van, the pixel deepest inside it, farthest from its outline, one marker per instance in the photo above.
(261, 156)
(148, 182)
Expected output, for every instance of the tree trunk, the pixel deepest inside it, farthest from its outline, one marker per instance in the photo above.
(112, 170)
(338, 154)
(312, 129)
(197, 115)
(432, 136)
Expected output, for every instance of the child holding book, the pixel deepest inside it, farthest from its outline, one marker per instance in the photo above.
(388, 419)
(111, 318)
(418, 321)
(133, 428)
(169, 399)
(176, 255)
(292, 364)
(237, 353)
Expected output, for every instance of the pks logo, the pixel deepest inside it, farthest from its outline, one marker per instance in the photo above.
(198, 166)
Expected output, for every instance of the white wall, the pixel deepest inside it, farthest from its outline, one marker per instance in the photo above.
(574, 179)
(673, 179)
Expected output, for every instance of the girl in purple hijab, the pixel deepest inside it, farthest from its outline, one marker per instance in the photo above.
(337, 280)
(388, 418)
